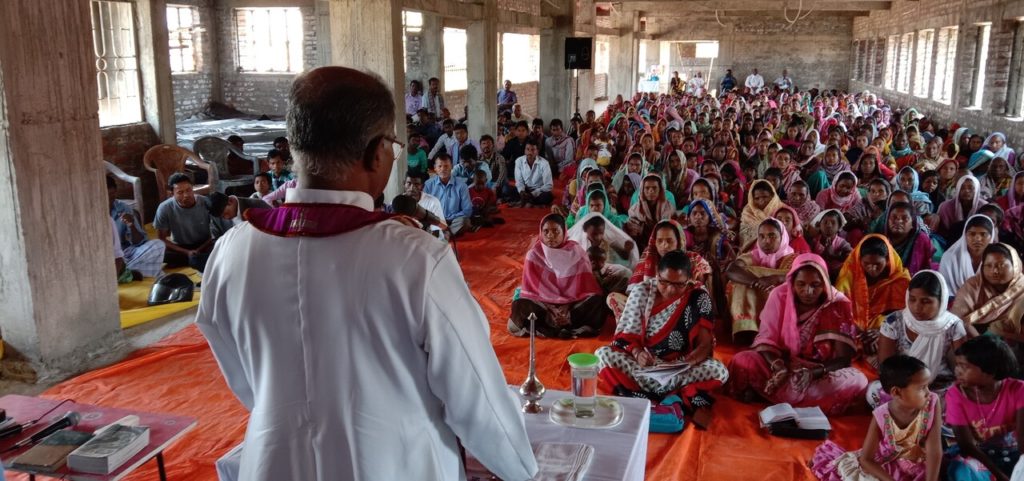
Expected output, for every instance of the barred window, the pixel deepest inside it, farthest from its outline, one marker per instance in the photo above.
(455, 74)
(269, 40)
(182, 22)
(923, 63)
(117, 62)
(980, 62)
(945, 60)
(903, 65)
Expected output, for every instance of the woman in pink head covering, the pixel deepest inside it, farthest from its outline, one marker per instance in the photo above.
(754, 274)
(559, 287)
(804, 345)
(955, 211)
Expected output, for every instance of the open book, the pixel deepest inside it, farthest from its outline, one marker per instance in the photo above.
(787, 421)
(663, 372)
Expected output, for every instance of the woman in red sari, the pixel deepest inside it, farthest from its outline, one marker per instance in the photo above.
(668, 318)
(804, 345)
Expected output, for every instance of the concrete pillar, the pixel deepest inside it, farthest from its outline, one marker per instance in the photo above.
(554, 94)
(58, 288)
(622, 69)
(652, 57)
(431, 49)
(586, 89)
(367, 35)
(482, 71)
(155, 68)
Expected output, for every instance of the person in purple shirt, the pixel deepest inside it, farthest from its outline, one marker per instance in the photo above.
(454, 195)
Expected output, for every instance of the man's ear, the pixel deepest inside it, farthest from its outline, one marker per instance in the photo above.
(373, 162)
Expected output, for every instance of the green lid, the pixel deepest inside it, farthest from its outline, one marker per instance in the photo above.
(582, 359)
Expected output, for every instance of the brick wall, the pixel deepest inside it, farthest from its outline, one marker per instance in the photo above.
(815, 50)
(527, 92)
(124, 146)
(259, 93)
(999, 95)
(192, 91)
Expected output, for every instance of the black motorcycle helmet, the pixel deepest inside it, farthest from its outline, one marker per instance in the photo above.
(171, 288)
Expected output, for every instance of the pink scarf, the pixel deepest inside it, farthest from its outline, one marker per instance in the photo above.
(772, 260)
(779, 319)
(830, 199)
(557, 275)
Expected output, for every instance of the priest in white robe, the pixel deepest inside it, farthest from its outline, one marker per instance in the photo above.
(350, 337)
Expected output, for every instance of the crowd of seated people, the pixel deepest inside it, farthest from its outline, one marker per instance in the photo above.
(823, 233)
(827, 233)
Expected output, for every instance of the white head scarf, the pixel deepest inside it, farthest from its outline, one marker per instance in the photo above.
(612, 234)
(928, 346)
(956, 266)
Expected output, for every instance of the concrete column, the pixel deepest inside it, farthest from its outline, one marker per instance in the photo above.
(622, 69)
(431, 49)
(482, 71)
(367, 35)
(554, 94)
(155, 67)
(58, 289)
(586, 87)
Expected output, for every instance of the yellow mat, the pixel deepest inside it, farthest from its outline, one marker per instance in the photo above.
(132, 297)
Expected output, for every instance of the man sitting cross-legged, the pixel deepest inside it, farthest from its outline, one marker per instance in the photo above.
(454, 195)
(183, 223)
(141, 254)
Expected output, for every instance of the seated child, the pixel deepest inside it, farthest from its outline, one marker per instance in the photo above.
(278, 174)
(829, 245)
(416, 156)
(469, 163)
(611, 277)
(485, 202)
(986, 411)
(904, 440)
(619, 248)
(261, 184)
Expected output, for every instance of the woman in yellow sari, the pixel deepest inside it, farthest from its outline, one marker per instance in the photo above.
(753, 275)
(762, 201)
(873, 277)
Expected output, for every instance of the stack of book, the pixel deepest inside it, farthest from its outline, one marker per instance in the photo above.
(109, 450)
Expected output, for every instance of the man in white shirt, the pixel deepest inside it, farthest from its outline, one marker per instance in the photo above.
(696, 85)
(755, 82)
(351, 338)
(519, 115)
(432, 99)
(444, 141)
(533, 177)
(784, 83)
(453, 141)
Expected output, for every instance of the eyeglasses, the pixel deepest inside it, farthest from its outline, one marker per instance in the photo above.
(396, 146)
(671, 283)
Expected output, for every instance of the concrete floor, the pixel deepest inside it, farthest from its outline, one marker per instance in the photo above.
(134, 338)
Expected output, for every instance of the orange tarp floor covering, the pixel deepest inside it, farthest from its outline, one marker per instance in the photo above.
(179, 375)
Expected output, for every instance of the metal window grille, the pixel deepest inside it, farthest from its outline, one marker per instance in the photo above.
(269, 40)
(945, 61)
(182, 23)
(117, 62)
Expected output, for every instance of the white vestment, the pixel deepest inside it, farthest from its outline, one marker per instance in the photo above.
(755, 82)
(360, 356)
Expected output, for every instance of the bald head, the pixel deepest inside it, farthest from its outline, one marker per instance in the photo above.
(334, 116)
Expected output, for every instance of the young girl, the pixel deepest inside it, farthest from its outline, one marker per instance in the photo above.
(986, 412)
(903, 443)
(829, 244)
(924, 330)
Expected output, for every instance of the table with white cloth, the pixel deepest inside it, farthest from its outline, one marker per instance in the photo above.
(653, 86)
(620, 453)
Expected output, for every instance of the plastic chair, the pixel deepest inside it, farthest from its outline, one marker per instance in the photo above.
(165, 160)
(136, 201)
(215, 151)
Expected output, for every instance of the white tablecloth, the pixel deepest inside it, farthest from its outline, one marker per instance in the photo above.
(620, 453)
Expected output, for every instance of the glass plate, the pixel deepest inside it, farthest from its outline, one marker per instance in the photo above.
(607, 414)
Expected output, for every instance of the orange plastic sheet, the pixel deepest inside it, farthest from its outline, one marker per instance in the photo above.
(179, 375)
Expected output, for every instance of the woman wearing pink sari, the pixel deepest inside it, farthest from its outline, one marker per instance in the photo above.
(559, 287)
(804, 345)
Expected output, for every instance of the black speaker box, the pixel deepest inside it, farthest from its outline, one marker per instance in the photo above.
(579, 53)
